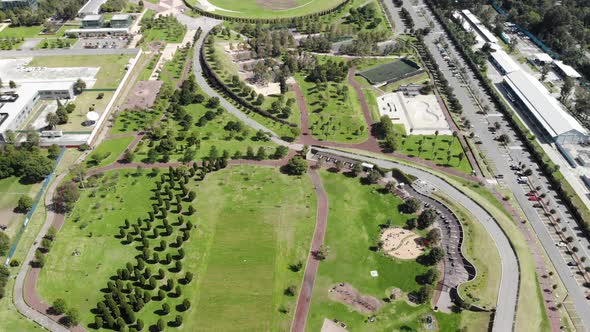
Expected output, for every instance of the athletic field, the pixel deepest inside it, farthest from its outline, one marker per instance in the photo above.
(390, 72)
(265, 8)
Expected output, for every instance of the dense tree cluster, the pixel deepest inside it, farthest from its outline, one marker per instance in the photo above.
(319, 44)
(333, 71)
(364, 17)
(112, 6)
(60, 9)
(4, 274)
(27, 162)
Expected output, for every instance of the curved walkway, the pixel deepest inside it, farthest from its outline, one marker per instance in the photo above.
(311, 268)
(505, 314)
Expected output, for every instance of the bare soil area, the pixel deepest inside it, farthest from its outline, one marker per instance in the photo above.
(345, 293)
(401, 243)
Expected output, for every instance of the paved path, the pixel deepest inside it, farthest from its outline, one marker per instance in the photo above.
(311, 268)
(25, 299)
(508, 292)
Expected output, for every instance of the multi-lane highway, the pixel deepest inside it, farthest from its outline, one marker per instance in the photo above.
(472, 95)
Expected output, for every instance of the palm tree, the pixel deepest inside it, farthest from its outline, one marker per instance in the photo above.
(435, 135)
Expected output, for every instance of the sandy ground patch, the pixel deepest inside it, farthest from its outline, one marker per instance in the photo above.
(401, 243)
(331, 326)
(421, 113)
(7, 216)
(206, 5)
(277, 4)
(345, 293)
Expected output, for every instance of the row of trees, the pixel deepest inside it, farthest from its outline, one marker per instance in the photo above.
(137, 283)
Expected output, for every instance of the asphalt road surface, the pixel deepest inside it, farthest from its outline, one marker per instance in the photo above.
(501, 157)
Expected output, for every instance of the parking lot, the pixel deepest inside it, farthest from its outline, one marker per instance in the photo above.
(95, 43)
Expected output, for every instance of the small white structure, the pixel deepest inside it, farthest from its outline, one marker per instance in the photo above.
(92, 116)
(542, 58)
(566, 70)
(420, 115)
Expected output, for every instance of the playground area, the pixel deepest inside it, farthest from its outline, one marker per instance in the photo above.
(420, 114)
(401, 243)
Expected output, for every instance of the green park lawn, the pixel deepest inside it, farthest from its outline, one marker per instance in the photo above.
(90, 229)
(270, 9)
(210, 134)
(21, 32)
(11, 189)
(435, 149)
(51, 43)
(261, 223)
(108, 151)
(355, 213)
(163, 28)
(175, 66)
(112, 67)
(84, 102)
(132, 121)
(341, 120)
(251, 224)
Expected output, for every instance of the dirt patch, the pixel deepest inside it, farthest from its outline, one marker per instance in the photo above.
(277, 4)
(345, 293)
(401, 243)
(143, 95)
(7, 216)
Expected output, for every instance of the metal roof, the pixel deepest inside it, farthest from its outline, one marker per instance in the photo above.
(505, 61)
(120, 17)
(480, 27)
(567, 70)
(544, 107)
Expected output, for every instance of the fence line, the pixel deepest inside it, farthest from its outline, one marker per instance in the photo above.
(34, 207)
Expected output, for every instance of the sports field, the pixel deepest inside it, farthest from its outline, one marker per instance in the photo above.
(390, 72)
(265, 8)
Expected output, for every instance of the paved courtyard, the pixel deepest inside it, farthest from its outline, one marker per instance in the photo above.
(420, 115)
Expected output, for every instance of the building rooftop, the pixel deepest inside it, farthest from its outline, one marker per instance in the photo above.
(126, 30)
(544, 107)
(567, 70)
(120, 17)
(542, 57)
(25, 93)
(486, 34)
(92, 18)
(505, 61)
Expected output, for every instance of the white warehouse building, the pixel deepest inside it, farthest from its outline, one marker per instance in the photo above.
(16, 105)
(543, 109)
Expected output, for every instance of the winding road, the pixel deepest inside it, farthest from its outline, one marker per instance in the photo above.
(506, 306)
(508, 293)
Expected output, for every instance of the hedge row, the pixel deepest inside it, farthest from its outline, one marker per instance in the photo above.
(216, 81)
(546, 165)
(280, 20)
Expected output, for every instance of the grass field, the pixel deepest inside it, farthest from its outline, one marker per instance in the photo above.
(21, 32)
(341, 120)
(84, 102)
(11, 190)
(444, 150)
(130, 121)
(270, 9)
(163, 28)
(112, 67)
(355, 213)
(210, 134)
(240, 272)
(109, 150)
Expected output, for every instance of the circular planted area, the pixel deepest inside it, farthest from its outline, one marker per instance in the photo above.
(266, 8)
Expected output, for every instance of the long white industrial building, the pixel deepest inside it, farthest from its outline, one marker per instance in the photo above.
(543, 108)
